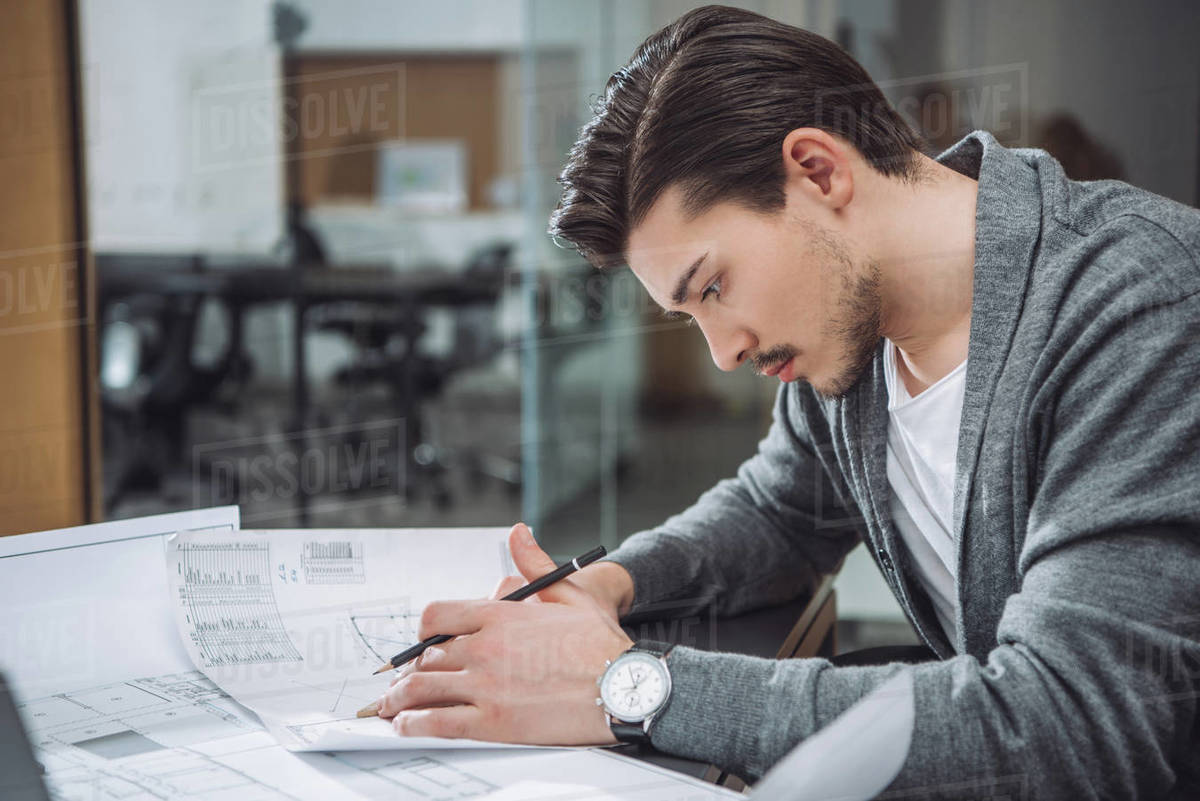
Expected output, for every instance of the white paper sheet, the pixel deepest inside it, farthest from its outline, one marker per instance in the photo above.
(595, 775)
(173, 736)
(181, 737)
(176, 735)
(87, 614)
(88, 605)
(855, 757)
(293, 623)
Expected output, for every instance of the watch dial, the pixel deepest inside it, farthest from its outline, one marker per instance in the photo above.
(634, 687)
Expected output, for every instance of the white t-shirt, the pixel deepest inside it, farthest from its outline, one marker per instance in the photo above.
(921, 454)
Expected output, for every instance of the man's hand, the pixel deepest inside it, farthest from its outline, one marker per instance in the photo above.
(607, 582)
(516, 672)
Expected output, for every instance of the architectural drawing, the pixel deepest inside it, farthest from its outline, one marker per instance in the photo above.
(293, 624)
(128, 718)
(421, 776)
(166, 737)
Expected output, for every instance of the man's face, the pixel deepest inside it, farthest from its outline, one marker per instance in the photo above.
(780, 292)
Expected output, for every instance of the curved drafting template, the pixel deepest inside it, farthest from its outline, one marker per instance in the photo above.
(384, 634)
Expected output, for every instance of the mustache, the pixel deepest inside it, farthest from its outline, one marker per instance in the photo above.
(771, 357)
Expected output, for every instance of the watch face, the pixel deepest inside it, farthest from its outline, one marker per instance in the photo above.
(635, 686)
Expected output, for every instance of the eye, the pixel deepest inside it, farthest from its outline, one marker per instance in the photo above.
(679, 317)
(712, 289)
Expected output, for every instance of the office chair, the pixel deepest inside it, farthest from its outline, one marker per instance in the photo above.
(151, 375)
(386, 339)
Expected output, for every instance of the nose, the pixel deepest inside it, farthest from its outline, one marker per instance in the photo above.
(729, 348)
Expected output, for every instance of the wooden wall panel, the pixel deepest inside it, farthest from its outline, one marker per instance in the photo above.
(42, 425)
(330, 137)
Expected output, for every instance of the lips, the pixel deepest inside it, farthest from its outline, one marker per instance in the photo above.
(776, 369)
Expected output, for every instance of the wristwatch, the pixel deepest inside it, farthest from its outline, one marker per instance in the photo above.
(634, 688)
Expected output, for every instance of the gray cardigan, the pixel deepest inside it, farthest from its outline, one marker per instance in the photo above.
(1076, 514)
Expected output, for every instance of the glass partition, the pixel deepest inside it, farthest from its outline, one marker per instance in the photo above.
(626, 419)
(326, 292)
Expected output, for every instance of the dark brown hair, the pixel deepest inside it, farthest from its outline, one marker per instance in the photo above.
(705, 104)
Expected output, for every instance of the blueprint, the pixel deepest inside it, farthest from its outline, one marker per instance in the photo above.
(174, 736)
(558, 774)
(181, 737)
(116, 710)
(293, 623)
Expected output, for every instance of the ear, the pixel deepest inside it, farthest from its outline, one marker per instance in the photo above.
(819, 165)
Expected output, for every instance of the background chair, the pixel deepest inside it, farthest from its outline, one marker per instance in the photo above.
(387, 339)
(152, 373)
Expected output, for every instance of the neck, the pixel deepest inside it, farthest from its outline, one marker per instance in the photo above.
(926, 253)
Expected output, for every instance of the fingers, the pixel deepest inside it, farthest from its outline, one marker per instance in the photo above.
(454, 617)
(425, 688)
(507, 585)
(534, 563)
(401, 672)
(447, 656)
(450, 721)
(528, 556)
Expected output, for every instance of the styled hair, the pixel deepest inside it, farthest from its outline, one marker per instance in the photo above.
(704, 104)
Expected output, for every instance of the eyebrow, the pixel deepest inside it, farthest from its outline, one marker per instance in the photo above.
(681, 286)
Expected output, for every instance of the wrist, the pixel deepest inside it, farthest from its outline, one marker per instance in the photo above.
(612, 584)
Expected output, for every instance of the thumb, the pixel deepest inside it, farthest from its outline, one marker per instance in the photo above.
(510, 584)
(533, 562)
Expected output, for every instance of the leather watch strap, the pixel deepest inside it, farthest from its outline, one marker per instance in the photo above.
(630, 733)
(653, 647)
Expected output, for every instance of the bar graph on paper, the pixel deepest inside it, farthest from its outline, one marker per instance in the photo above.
(338, 562)
(226, 592)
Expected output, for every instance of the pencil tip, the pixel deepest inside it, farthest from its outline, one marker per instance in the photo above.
(383, 669)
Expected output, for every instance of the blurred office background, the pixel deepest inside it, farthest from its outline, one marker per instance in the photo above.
(291, 255)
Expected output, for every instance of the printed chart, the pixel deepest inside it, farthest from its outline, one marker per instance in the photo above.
(335, 562)
(226, 591)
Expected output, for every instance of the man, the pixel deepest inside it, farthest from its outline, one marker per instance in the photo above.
(989, 375)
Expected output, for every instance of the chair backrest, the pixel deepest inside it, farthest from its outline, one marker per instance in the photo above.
(814, 633)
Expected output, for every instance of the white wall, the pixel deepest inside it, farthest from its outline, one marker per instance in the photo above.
(181, 143)
(454, 25)
(413, 24)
